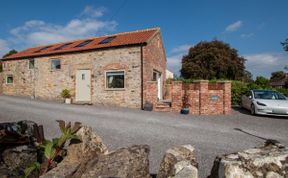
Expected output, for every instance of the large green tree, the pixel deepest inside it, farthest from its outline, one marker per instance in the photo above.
(213, 60)
(285, 45)
(13, 51)
(248, 77)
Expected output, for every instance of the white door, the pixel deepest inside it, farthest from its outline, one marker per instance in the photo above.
(159, 86)
(83, 88)
(157, 77)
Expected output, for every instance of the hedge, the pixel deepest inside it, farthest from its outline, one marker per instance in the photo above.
(239, 88)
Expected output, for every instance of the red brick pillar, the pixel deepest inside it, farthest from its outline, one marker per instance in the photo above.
(176, 96)
(150, 93)
(203, 96)
(226, 87)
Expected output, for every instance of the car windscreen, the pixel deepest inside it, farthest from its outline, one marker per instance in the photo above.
(268, 95)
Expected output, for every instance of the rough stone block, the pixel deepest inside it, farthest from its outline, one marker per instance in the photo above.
(268, 161)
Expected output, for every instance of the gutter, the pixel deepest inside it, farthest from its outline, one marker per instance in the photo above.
(142, 86)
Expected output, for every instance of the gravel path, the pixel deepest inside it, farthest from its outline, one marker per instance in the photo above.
(120, 127)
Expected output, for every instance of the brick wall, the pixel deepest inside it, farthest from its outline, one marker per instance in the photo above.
(204, 98)
(153, 59)
(151, 96)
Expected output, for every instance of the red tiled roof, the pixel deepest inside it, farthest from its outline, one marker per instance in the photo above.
(121, 39)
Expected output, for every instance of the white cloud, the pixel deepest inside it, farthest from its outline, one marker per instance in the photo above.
(93, 12)
(234, 26)
(38, 32)
(181, 48)
(3, 47)
(247, 35)
(174, 60)
(265, 63)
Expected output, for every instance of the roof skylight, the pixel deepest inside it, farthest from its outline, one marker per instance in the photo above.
(107, 40)
(43, 49)
(63, 46)
(84, 43)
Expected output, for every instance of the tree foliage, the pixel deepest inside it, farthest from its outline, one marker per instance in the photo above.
(277, 75)
(285, 45)
(248, 77)
(213, 60)
(262, 82)
(13, 51)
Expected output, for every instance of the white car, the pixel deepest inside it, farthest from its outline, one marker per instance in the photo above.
(265, 102)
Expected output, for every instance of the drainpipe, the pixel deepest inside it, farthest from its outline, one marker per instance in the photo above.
(142, 86)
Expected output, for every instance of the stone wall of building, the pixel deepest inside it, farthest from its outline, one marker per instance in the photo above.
(22, 78)
(45, 83)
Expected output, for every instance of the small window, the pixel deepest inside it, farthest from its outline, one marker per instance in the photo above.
(43, 49)
(63, 46)
(84, 43)
(31, 64)
(107, 40)
(115, 79)
(154, 76)
(9, 79)
(55, 64)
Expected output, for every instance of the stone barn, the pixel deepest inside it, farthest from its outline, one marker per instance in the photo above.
(109, 70)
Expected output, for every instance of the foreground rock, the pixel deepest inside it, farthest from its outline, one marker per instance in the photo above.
(125, 162)
(91, 145)
(270, 161)
(179, 162)
(22, 132)
(18, 158)
(18, 147)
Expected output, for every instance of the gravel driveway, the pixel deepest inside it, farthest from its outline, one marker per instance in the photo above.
(119, 127)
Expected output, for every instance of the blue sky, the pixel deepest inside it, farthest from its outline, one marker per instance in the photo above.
(254, 27)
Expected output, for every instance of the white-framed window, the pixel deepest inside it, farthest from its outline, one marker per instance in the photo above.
(115, 79)
(55, 64)
(155, 75)
(31, 64)
(9, 79)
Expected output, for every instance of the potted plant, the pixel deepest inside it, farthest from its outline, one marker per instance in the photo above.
(185, 107)
(66, 95)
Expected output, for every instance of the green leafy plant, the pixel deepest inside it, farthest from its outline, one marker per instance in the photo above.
(54, 148)
(33, 167)
(65, 93)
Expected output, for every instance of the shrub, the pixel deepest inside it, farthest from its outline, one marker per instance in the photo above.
(238, 88)
(65, 93)
(284, 91)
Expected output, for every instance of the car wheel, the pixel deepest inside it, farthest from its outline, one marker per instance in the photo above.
(252, 109)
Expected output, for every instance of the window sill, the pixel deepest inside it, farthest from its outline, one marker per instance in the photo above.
(55, 70)
(115, 89)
